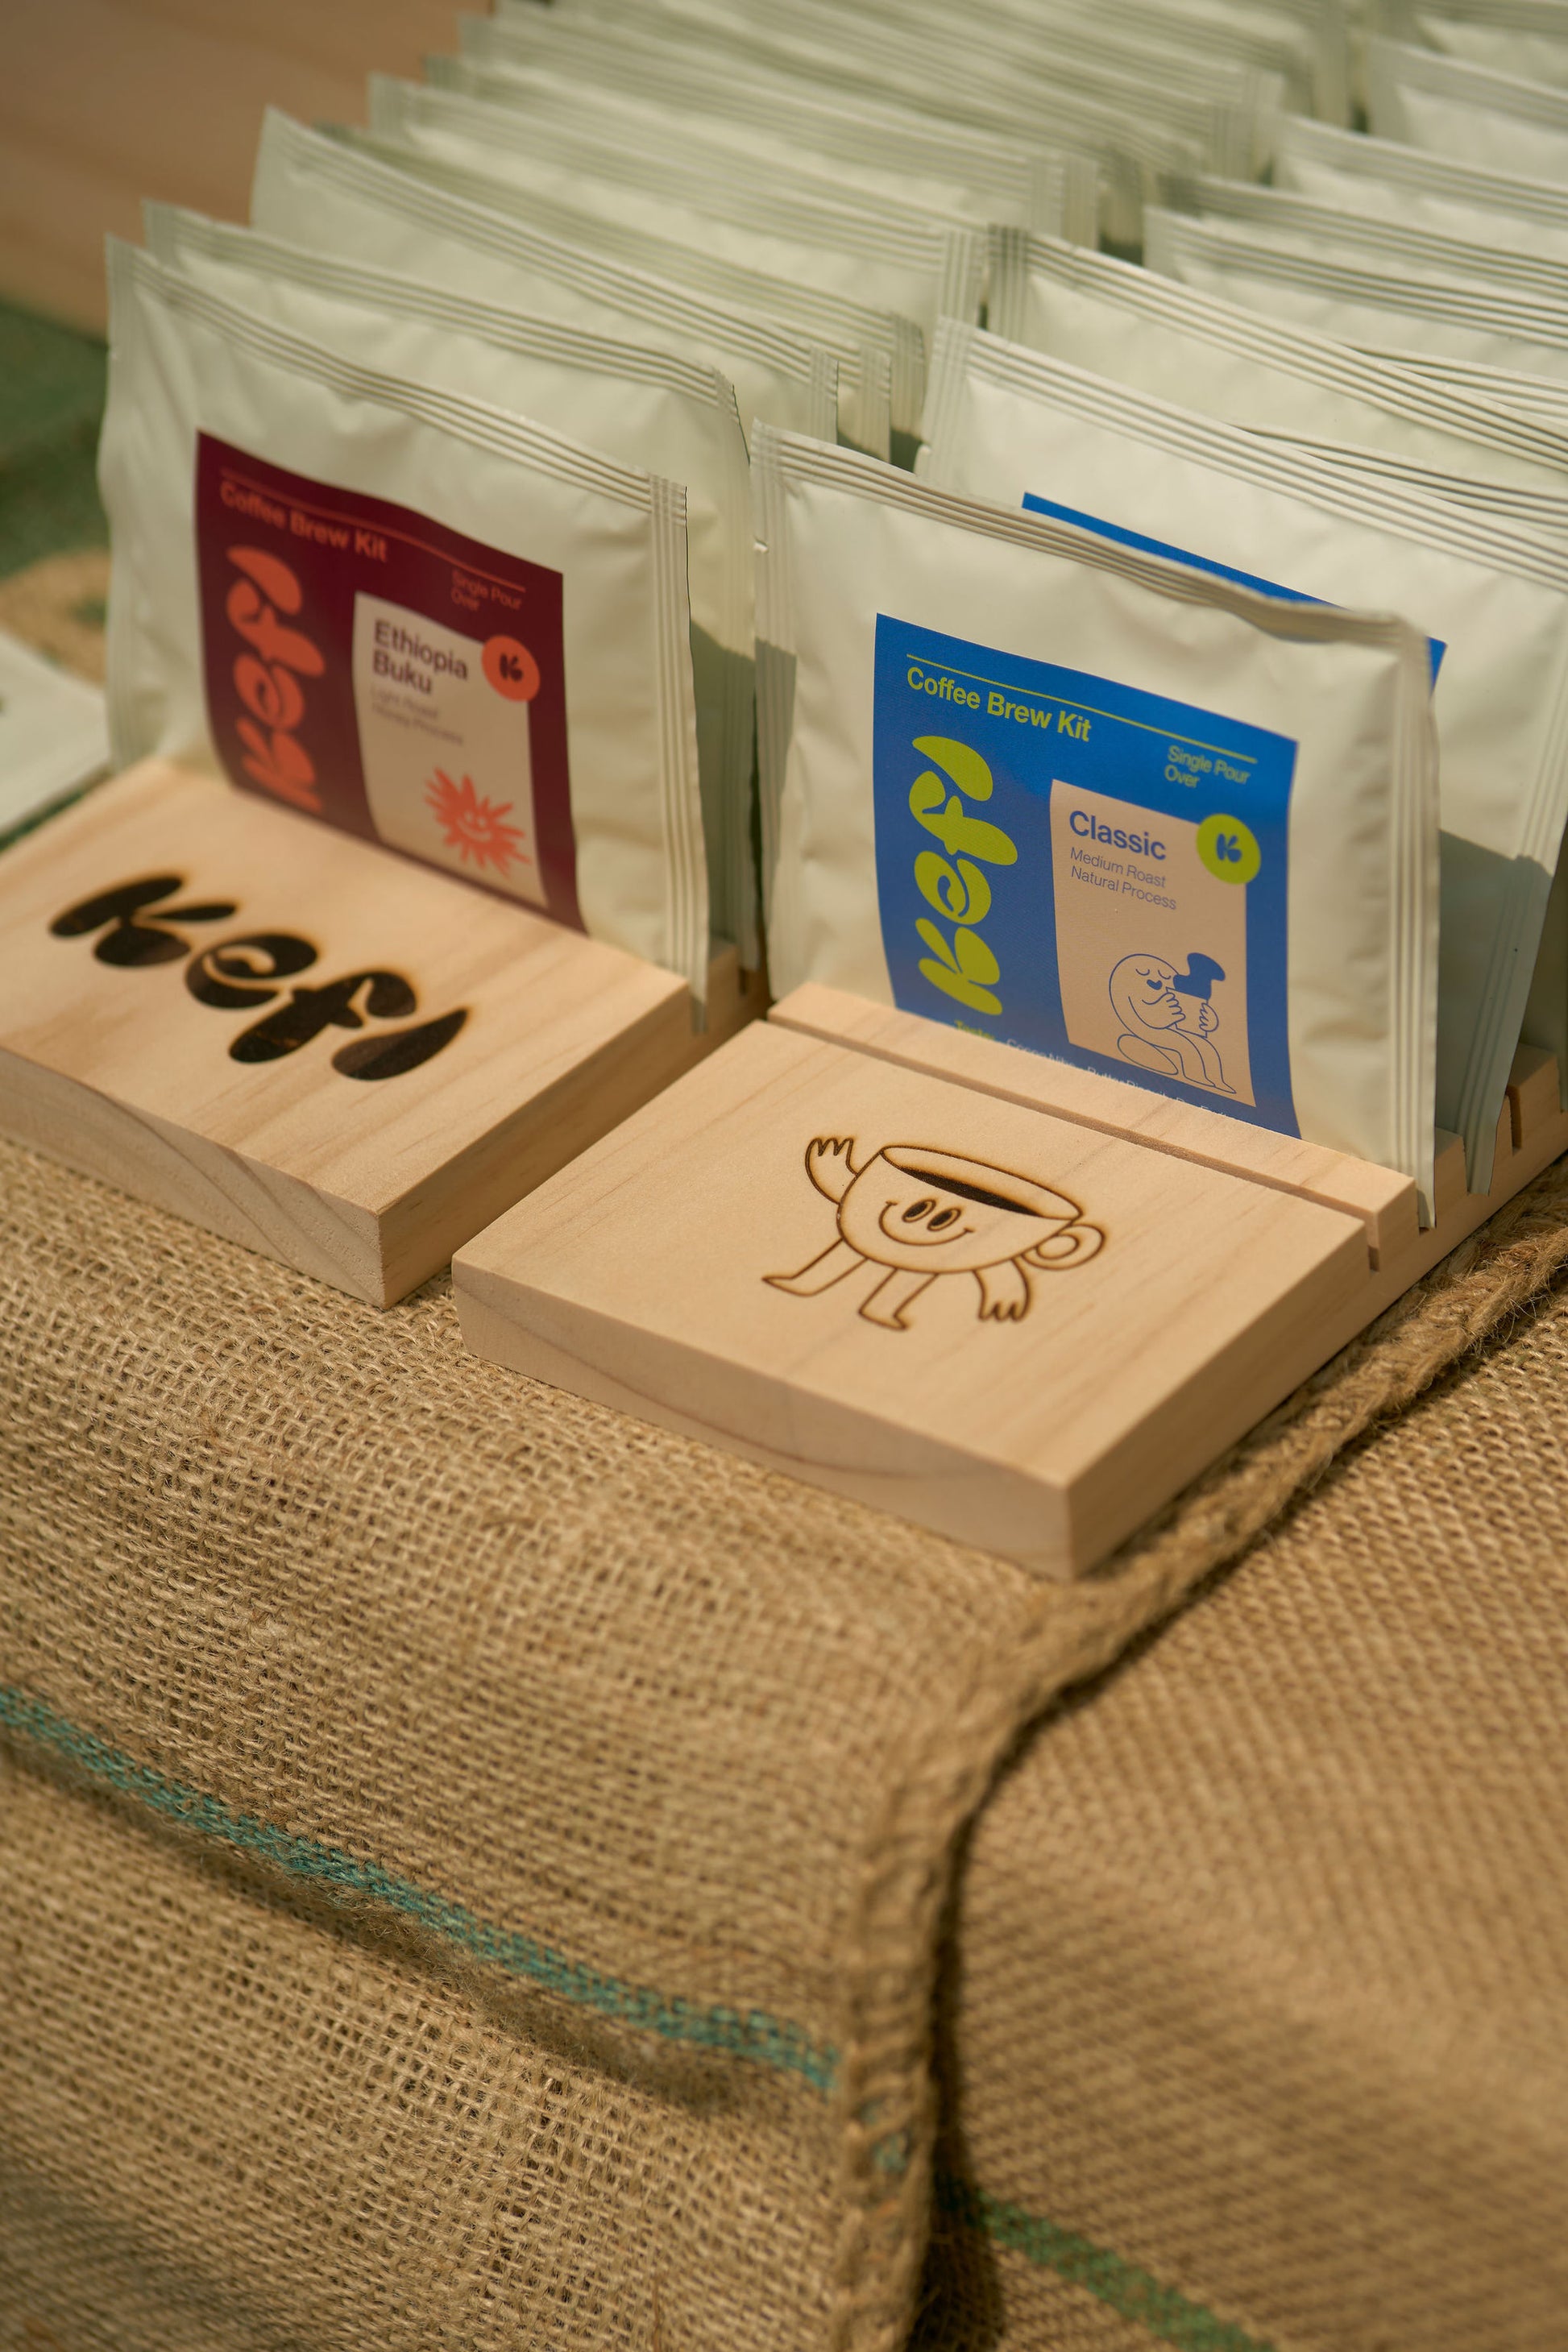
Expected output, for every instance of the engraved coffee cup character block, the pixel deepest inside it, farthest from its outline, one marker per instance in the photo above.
(920, 1213)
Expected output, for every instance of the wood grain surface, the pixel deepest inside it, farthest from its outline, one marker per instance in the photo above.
(696, 1269)
(1384, 1201)
(763, 1258)
(105, 102)
(238, 1061)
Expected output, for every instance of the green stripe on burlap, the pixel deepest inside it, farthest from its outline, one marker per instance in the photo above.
(1135, 2294)
(752, 2035)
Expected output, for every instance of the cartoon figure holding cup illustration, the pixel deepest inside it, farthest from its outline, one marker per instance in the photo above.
(919, 1214)
(1167, 1018)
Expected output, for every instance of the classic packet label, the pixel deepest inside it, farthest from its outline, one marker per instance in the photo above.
(398, 679)
(1077, 866)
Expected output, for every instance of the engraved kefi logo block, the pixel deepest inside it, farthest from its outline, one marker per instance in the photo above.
(302, 1041)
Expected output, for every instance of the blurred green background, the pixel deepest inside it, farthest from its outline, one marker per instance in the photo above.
(51, 402)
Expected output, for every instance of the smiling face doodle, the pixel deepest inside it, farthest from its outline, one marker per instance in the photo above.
(1167, 1019)
(1144, 991)
(918, 1212)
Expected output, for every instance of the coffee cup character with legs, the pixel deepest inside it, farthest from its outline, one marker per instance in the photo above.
(919, 1213)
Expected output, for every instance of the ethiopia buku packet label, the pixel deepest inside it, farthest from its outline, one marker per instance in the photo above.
(1075, 865)
(397, 680)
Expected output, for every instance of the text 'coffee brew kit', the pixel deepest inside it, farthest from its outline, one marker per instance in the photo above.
(684, 492)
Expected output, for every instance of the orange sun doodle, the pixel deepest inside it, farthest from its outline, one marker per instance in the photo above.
(473, 826)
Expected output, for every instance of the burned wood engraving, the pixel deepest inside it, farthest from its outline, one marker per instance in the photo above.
(921, 1214)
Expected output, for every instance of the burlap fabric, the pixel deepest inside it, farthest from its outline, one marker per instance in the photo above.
(481, 1872)
(476, 1868)
(1252, 2023)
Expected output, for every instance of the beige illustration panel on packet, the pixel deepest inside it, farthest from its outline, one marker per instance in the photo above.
(1130, 921)
(444, 747)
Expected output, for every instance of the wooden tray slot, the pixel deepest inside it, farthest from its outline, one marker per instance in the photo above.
(1384, 1201)
(709, 1267)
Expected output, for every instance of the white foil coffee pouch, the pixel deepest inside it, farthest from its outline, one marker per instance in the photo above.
(644, 406)
(315, 191)
(409, 615)
(1306, 47)
(1543, 513)
(879, 356)
(1508, 123)
(1137, 150)
(1359, 303)
(1514, 37)
(1300, 64)
(1333, 233)
(526, 62)
(1151, 331)
(1145, 70)
(1539, 396)
(1212, 104)
(1051, 790)
(1492, 600)
(1411, 185)
(675, 183)
(871, 362)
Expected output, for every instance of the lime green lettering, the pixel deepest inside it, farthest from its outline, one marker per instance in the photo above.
(965, 766)
(963, 969)
(962, 894)
(947, 817)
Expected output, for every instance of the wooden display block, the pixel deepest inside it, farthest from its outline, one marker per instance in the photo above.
(304, 1043)
(1384, 1201)
(1017, 1307)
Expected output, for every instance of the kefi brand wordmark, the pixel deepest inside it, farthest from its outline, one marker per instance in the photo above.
(136, 928)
